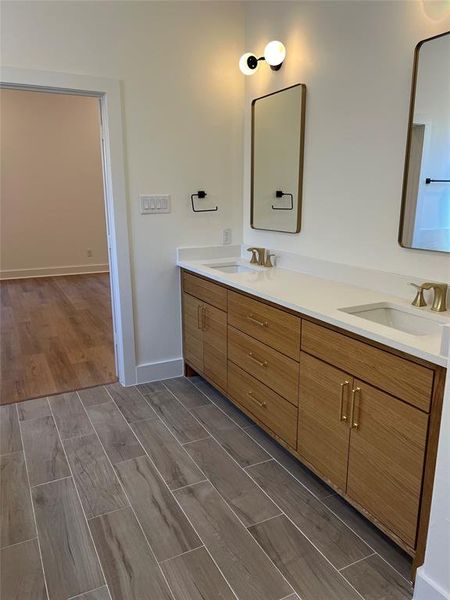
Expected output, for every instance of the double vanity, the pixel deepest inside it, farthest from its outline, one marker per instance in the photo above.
(348, 380)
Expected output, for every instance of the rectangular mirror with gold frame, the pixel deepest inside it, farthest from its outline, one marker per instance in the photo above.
(278, 131)
(425, 214)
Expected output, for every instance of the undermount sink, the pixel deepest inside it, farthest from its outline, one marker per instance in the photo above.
(401, 318)
(231, 268)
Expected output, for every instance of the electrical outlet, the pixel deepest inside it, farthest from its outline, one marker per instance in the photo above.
(226, 237)
(89, 253)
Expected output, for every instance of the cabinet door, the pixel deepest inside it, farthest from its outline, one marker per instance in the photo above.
(215, 345)
(323, 430)
(387, 448)
(192, 330)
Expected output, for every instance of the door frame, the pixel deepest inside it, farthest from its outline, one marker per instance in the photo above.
(109, 95)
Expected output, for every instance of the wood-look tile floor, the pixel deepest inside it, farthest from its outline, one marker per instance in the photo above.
(56, 335)
(166, 491)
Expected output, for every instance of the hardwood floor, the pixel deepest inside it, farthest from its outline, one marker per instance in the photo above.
(105, 499)
(56, 335)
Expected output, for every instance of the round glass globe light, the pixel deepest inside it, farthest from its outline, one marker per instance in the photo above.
(243, 64)
(274, 53)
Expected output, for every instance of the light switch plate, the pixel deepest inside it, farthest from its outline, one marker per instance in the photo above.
(155, 204)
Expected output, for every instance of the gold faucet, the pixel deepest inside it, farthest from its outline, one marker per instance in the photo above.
(439, 297)
(261, 257)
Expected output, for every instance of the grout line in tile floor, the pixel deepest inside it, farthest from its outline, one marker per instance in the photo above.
(108, 512)
(301, 483)
(199, 439)
(356, 562)
(161, 562)
(89, 591)
(18, 543)
(126, 496)
(261, 462)
(32, 505)
(190, 484)
(77, 491)
(50, 481)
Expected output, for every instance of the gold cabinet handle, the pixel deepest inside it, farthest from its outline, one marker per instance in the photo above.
(199, 317)
(257, 321)
(204, 317)
(255, 400)
(258, 362)
(356, 395)
(344, 386)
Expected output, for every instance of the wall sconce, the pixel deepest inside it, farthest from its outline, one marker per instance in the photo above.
(274, 55)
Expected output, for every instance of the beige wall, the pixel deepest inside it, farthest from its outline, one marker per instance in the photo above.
(52, 206)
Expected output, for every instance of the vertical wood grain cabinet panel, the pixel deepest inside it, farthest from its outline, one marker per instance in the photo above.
(192, 332)
(215, 345)
(323, 430)
(386, 459)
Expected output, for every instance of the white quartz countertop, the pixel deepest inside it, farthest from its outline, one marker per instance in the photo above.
(321, 299)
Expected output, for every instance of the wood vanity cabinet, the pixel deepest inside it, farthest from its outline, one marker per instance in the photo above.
(363, 417)
(367, 443)
(205, 329)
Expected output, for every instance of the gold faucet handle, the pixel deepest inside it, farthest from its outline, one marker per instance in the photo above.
(268, 260)
(254, 259)
(419, 300)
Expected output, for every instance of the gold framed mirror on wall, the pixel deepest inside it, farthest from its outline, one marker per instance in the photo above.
(425, 211)
(277, 149)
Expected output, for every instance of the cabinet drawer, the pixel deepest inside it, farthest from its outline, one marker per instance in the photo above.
(400, 377)
(269, 366)
(271, 409)
(209, 292)
(269, 325)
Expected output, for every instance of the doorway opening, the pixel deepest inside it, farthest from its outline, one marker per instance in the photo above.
(59, 314)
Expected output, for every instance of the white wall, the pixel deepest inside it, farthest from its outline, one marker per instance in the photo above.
(52, 203)
(433, 578)
(356, 60)
(182, 109)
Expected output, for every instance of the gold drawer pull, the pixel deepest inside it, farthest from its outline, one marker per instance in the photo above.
(343, 417)
(259, 362)
(257, 321)
(356, 393)
(200, 317)
(258, 402)
(204, 318)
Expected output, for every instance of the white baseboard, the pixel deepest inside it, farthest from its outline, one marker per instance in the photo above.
(159, 370)
(53, 271)
(427, 589)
